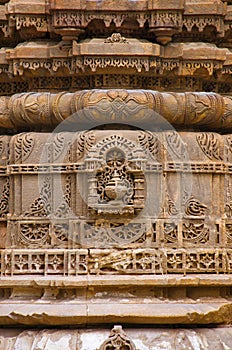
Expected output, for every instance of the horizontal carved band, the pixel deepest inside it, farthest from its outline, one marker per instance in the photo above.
(140, 108)
(129, 261)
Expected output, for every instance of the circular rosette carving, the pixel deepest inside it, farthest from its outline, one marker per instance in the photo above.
(110, 234)
(31, 234)
(127, 233)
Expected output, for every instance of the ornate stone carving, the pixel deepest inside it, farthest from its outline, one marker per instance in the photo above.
(114, 189)
(105, 261)
(210, 145)
(33, 235)
(117, 340)
(206, 110)
(116, 38)
(4, 199)
(195, 233)
(103, 233)
(194, 207)
(125, 209)
(23, 146)
(39, 22)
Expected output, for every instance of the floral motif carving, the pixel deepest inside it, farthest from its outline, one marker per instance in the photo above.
(4, 199)
(23, 146)
(33, 234)
(58, 145)
(150, 143)
(170, 205)
(175, 146)
(85, 140)
(64, 208)
(116, 38)
(41, 206)
(195, 233)
(170, 233)
(194, 207)
(209, 144)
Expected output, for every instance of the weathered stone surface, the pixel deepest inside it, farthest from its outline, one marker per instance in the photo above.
(101, 299)
(141, 339)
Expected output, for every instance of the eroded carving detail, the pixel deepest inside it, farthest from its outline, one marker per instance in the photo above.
(117, 340)
(23, 147)
(116, 38)
(4, 199)
(209, 144)
(42, 205)
(195, 233)
(128, 261)
(33, 234)
(194, 207)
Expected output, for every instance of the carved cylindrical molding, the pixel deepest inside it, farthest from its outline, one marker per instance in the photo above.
(142, 108)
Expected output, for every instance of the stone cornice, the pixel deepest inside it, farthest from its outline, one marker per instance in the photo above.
(164, 18)
(39, 300)
(128, 56)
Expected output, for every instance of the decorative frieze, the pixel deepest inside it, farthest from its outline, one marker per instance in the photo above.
(141, 261)
(164, 21)
(134, 60)
(206, 110)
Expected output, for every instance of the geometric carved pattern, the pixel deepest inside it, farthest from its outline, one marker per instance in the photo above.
(125, 261)
(112, 233)
(195, 233)
(33, 234)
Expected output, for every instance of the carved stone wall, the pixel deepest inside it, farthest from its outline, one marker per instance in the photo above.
(164, 197)
(182, 46)
(115, 174)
